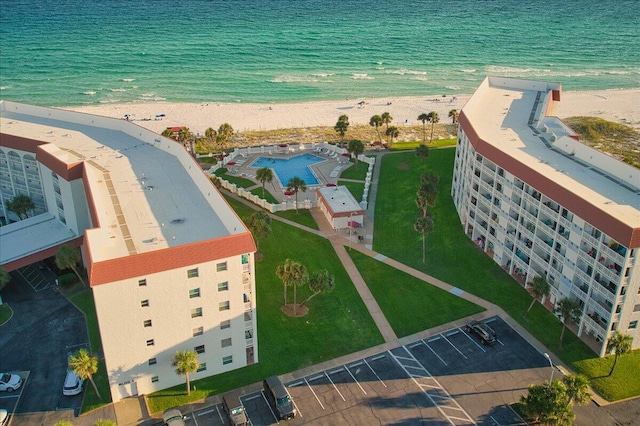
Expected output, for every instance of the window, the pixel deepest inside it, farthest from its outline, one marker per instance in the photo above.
(227, 360)
(153, 361)
(192, 273)
(147, 323)
(633, 325)
(198, 331)
(223, 306)
(225, 324)
(154, 379)
(247, 316)
(196, 312)
(150, 342)
(221, 267)
(199, 349)
(223, 286)
(636, 308)
(225, 343)
(194, 292)
(144, 303)
(202, 367)
(142, 283)
(248, 334)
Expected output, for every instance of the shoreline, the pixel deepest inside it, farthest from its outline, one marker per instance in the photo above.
(619, 105)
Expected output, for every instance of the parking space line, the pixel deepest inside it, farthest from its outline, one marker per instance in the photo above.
(495, 421)
(270, 409)
(293, 385)
(452, 332)
(335, 387)
(354, 379)
(204, 413)
(319, 376)
(434, 352)
(375, 358)
(336, 370)
(297, 409)
(356, 364)
(374, 371)
(314, 394)
(516, 413)
(454, 346)
(498, 340)
(220, 415)
(433, 339)
(474, 342)
(434, 398)
(250, 398)
(414, 345)
(194, 419)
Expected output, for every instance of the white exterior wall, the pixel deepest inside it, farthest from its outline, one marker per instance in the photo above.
(124, 337)
(577, 262)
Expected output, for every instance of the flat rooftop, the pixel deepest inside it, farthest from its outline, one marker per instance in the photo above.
(516, 115)
(148, 192)
(339, 199)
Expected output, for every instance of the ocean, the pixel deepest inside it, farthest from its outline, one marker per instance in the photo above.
(77, 52)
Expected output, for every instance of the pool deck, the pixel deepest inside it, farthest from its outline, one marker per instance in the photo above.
(327, 171)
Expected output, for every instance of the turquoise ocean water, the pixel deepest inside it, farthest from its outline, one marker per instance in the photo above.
(74, 52)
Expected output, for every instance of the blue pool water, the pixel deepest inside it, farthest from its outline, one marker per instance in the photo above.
(285, 168)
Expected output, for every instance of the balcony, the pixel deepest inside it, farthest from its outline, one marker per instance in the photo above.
(565, 222)
(591, 240)
(609, 272)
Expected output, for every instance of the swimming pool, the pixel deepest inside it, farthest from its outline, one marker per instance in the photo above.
(286, 168)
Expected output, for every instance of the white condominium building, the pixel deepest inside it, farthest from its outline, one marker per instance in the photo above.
(541, 203)
(170, 263)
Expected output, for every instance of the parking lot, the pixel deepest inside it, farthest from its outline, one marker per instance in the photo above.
(45, 328)
(448, 378)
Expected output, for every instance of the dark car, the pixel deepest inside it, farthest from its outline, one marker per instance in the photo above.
(279, 398)
(483, 331)
(234, 409)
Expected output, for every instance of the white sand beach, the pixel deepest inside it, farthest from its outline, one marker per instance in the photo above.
(621, 106)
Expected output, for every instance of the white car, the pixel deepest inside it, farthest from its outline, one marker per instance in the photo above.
(4, 417)
(173, 417)
(72, 384)
(10, 382)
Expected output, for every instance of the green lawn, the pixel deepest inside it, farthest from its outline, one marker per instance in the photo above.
(337, 324)
(453, 258)
(267, 195)
(5, 313)
(84, 302)
(358, 171)
(240, 182)
(356, 189)
(409, 304)
(302, 216)
(437, 143)
(623, 383)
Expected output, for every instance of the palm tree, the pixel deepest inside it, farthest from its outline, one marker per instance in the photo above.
(569, 311)
(167, 133)
(210, 134)
(376, 121)
(422, 152)
(427, 196)
(429, 177)
(392, 132)
(355, 148)
(578, 389)
(186, 362)
(386, 119)
(548, 403)
(68, 257)
(424, 117)
(21, 205)
(184, 135)
(341, 127)
(216, 181)
(104, 422)
(433, 118)
(264, 175)
(619, 344)
(292, 274)
(453, 114)
(63, 423)
(85, 366)
(296, 184)
(225, 131)
(320, 282)
(259, 223)
(539, 288)
(423, 226)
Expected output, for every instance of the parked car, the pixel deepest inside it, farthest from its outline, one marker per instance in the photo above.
(173, 417)
(234, 409)
(483, 331)
(4, 417)
(279, 398)
(10, 382)
(72, 384)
